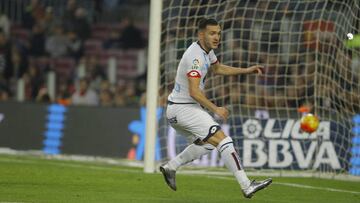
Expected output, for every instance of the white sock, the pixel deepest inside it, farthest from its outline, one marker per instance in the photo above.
(189, 154)
(232, 162)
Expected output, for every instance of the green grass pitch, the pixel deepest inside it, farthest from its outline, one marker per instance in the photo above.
(36, 179)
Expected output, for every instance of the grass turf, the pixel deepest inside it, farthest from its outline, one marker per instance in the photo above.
(34, 179)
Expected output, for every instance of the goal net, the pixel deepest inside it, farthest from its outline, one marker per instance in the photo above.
(311, 64)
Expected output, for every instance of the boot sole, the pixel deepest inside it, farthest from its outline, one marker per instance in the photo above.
(259, 188)
(163, 171)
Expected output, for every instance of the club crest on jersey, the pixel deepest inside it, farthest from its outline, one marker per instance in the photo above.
(195, 64)
(194, 74)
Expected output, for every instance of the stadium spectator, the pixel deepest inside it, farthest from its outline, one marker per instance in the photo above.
(75, 20)
(131, 36)
(119, 100)
(69, 14)
(37, 41)
(310, 66)
(236, 93)
(4, 95)
(238, 56)
(266, 82)
(111, 4)
(287, 34)
(18, 63)
(58, 37)
(4, 89)
(75, 47)
(221, 92)
(63, 95)
(105, 85)
(50, 21)
(113, 41)
(95, 72)
(43, 96)
(57, 44)
(34, 81)
(106, 98)
(131, 98)
(251, 98)
(80, 24)
(34, 12)
(84, 95)
(276, 99)
(296, 89)
(80, 71)
(119, 97)
(5, 56)
(229, 13)
(5, 24)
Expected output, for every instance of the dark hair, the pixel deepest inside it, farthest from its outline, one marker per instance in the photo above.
(205, 22)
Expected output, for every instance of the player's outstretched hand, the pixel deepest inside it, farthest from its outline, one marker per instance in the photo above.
(222, 112)
(256, 69)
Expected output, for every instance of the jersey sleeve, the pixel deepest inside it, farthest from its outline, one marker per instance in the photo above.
(213, 58)
(194, 64)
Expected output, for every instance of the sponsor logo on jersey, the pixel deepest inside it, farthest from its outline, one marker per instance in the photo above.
(193, 74)
(195, 64)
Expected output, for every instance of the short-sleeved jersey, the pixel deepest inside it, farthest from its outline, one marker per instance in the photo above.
(195, 63)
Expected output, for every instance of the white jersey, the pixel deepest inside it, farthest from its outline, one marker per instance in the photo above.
(195, 63)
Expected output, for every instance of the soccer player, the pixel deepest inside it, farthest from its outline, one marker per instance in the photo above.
(186, 115)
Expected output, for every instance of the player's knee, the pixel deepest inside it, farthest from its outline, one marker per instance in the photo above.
(216, 137)
(224, 142)
(213, 130)
(208, 147)
(205, 145)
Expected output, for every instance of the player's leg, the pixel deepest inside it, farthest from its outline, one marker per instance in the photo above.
(225, 146)
(185, 119)
(181, 117)
(190, 153)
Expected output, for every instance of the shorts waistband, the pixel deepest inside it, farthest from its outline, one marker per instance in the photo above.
(171, 102)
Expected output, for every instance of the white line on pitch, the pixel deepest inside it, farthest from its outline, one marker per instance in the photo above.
(300, 186)
(316, 188)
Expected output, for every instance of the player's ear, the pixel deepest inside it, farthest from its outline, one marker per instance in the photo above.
(201, 34)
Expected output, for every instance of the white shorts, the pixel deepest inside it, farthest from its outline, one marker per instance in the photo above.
(192, 121)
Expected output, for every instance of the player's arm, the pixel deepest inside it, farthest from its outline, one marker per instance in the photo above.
(200, 97)
(222, 69)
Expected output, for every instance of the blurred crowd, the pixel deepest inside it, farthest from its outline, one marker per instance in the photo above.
(302, 51)
(47, 40)
(301, 67)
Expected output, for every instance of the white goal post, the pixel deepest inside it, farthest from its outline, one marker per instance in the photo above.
(152, 84)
